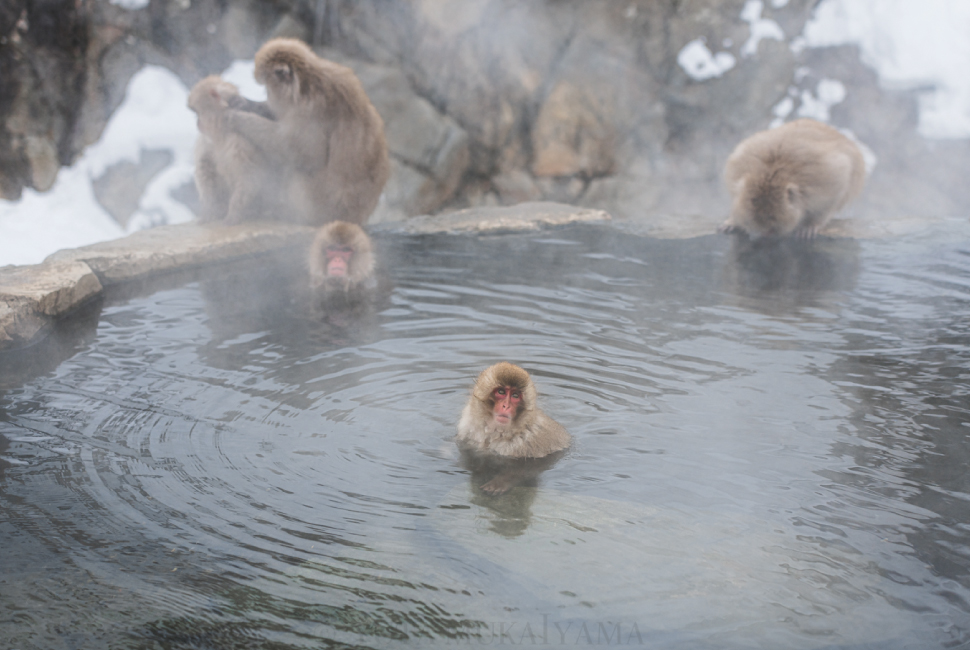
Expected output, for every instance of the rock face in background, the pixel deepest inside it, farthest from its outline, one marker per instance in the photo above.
(631, 107)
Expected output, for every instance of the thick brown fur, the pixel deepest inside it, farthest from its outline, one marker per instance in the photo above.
(361, 268)
(327, 139)
(530, 434)
(792, 179)
(230, 173)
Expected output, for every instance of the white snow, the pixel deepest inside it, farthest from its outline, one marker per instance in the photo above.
(132, 5)
(828, 93)
(761, 28)
(910, 43)
(701, 64)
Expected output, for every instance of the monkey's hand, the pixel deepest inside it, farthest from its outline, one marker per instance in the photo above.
(500, 484)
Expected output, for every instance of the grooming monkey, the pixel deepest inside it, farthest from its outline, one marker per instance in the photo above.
(792, 179)
(501, 417)
(230, 173)
(327, 140)
(341, 258)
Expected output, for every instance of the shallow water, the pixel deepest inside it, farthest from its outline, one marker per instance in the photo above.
(770, 451)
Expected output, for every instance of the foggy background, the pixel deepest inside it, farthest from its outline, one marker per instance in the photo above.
(631, 107)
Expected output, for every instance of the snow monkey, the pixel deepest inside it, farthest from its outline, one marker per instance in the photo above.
(792, 179)
(230, 173)
(501, 417)
(327, 140)
(341, 258)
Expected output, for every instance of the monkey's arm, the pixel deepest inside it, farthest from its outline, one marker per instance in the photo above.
(240, 103)
(265, 134)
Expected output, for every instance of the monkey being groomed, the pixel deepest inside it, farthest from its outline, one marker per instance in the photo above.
(502, 418)
(792, 179)
(231, 174)
(326, 142)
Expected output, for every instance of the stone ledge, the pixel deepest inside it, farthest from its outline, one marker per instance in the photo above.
(170, 248)
(524, 217)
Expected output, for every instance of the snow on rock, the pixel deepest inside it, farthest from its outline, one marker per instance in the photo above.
(701, 64)
(910, 45)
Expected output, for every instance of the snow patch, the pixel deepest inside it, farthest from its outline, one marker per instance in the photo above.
(701, 64)
(910, 45)
(761, 28)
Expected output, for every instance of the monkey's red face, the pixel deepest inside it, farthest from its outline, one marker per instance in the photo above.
(507, 400)
(338, 260)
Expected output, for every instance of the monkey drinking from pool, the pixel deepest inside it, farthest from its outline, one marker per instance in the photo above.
(792, 179)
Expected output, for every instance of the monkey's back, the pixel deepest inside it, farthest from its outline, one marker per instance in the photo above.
(356, 165)
(827, 168)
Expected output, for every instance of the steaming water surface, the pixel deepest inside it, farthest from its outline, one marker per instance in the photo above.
(770, 450)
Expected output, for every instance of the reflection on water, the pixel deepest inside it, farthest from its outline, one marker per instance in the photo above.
(770, 450)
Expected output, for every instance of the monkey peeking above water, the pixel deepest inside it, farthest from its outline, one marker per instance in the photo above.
(501, 417)
(341, 259)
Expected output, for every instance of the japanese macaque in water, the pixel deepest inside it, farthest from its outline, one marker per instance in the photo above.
(501, 417)
(230, 173)
(327, 140)
(792, 179)
(341, 258)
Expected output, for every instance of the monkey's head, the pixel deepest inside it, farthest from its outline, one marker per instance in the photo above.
(209, 99)
(288, 69)
(768, 206)
(506, 395)
(341, 256)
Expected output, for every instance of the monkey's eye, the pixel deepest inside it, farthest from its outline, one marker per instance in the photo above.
(517, 395)
(500, 391)
(282, 73)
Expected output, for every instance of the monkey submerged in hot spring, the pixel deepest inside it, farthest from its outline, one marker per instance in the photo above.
(792, 179)
(341, 259)
(501, 417)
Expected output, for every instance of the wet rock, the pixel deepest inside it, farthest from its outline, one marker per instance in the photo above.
(20, 325)
(53, 289)
(31, 297)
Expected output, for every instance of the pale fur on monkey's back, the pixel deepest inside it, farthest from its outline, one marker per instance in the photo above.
(792, 178)
(532, 434)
